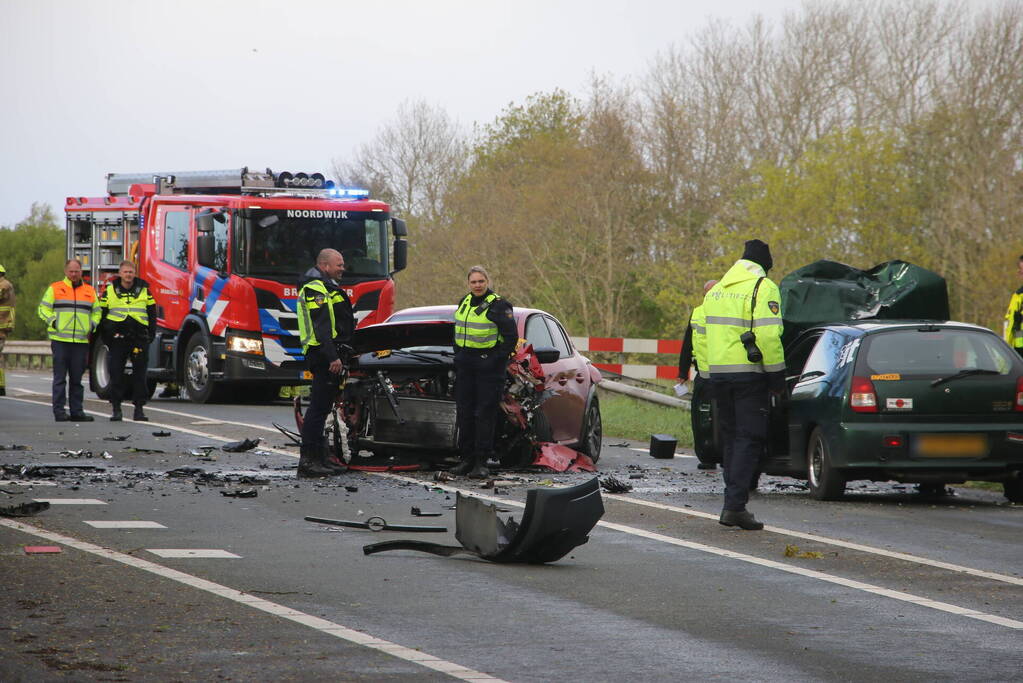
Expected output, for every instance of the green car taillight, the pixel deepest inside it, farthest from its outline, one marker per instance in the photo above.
(863, 398)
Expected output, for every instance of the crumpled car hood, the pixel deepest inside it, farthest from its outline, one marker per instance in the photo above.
(401, 334)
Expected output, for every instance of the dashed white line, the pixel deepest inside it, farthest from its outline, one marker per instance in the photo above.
(70, 501)
(126, 524)
(647, 450)
(324, 626)
(877, 590)
(215, 553)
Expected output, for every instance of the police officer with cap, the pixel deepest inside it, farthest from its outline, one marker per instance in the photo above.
(746, 365)
(325, 323)
(128, 325)
(485, 334)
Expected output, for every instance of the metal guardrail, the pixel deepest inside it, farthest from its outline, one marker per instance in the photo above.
(27, 354)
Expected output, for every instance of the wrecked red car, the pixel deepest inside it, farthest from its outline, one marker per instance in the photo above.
(399, 400)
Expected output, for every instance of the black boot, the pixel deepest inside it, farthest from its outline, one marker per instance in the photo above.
(462, 468)
(115, 412)
(139, 415)
(309, 466)
(743, 519)
(331, 461)
(479, 468)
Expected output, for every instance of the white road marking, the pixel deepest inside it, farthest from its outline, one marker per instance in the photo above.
(722, 552)
(70, 501)
(727, 553)
(215, 553)
(127, 524)
(322, 625)
(821, 576)
(208, 422)
(23, 391)
(26, 482)
(20, 376)
(834, 541)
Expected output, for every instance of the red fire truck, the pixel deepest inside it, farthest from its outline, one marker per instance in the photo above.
(222, 252)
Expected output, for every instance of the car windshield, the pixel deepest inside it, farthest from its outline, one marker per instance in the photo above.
(933, 353)
(285, 242)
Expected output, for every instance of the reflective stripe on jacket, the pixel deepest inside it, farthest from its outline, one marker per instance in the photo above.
(71, 313)
(727, 315)
(312, 297)
(1012, 331)
(473, 329)
(7, 301)
(126, 305)
(698, 321)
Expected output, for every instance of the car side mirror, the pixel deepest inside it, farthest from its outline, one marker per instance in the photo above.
(204, 220)
(546, 354)
(398, 228)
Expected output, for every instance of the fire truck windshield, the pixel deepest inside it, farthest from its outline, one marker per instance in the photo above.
(286, 242)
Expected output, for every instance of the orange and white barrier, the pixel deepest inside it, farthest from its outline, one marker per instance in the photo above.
(624, 345)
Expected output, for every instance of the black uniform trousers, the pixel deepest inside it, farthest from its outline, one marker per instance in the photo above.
(322, 395)
(479, 383)
(702, 447)
(743, 411)
(68, 367)
(121, 351)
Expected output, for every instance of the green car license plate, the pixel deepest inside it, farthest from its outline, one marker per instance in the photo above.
(951, 445)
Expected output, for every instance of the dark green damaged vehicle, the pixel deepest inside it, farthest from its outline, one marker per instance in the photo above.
(924, 401)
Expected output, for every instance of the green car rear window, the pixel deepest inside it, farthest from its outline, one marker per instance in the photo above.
(920, 353)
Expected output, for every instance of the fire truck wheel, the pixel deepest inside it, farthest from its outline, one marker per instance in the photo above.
(198, 360)
(99, 370)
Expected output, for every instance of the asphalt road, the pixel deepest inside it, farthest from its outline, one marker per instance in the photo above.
(164, 577)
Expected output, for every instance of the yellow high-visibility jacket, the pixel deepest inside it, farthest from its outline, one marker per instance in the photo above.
(726, 308)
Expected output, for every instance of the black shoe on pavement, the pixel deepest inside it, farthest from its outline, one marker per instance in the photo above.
(462, 468)
(169, 391)
(309, 465)
(743, 519)
(81, 417)
(115, 412)
(707, 466)
(139, 416)
(3, 391)
(331, 461)
(60, 417)
(480, 471)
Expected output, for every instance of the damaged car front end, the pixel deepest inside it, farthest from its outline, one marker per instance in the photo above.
(399, 405)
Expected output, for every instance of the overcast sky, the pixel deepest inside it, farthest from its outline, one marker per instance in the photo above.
(89, 87)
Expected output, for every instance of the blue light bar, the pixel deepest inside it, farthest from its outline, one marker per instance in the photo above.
(350, 192)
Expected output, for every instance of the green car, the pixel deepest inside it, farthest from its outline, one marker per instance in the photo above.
(912, 401)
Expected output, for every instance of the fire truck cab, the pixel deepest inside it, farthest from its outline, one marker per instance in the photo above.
(223, 253)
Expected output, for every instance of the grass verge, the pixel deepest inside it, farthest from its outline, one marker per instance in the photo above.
(630, 418)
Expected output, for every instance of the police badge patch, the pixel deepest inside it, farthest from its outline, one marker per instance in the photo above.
(319, 299)
(773, 305)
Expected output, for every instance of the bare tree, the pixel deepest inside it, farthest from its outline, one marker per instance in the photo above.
(411, 161)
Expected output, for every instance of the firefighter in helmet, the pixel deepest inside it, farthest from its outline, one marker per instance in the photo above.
(128, 326)
(485, 335)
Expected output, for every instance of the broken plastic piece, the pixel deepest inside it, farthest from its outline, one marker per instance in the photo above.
(25, 509)
(240, 446)
(240, 493)
(416, 512)
(560, 458)
(161, 433)
(41, 549)
(376, 524)
(553, 523)
(186, 472)
(613, 484)
(15, 447)
(120, 437)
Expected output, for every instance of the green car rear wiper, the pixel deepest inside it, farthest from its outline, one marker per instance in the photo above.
(964, 373)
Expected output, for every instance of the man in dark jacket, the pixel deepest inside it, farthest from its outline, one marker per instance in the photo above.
(325, 323)
(128, 325)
